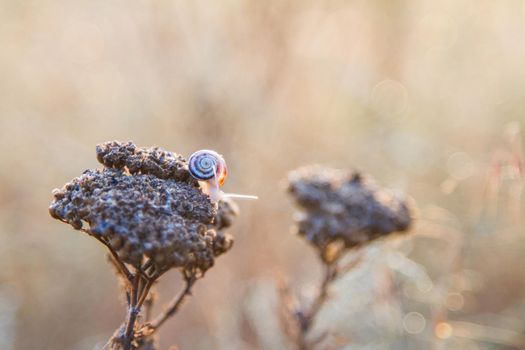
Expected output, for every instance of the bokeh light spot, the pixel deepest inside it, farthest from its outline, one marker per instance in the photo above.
(454, 302)
(443, 330)
(414, 323)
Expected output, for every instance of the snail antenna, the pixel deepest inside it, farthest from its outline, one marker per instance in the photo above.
(239, 196)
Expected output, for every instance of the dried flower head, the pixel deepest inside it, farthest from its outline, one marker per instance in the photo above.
(145, 205)
(344, 208)
(152, 215)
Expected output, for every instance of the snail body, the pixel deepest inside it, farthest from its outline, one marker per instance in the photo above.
(209, 168)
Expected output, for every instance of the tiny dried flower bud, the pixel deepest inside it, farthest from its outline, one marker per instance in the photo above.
(226, 213)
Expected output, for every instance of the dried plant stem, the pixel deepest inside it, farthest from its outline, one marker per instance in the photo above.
(330, 273)
(175, 303)
(133, 311)
(116, 260)
(305, 316)
(145, 292)
(138, 285)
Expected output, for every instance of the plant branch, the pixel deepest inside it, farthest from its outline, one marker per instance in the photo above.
(175, 303)
(145, 292)
(329, 275)
(133, 311)
(305, 317)
(116, 259)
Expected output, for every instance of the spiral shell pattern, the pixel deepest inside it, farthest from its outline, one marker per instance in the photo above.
(205, 164)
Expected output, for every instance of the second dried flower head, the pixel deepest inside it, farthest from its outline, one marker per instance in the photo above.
(345, 208)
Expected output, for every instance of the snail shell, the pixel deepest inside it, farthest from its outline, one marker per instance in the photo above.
(206, 165)
(209, 168)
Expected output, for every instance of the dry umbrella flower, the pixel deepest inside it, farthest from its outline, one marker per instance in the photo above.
(339, 211)
(152, 216)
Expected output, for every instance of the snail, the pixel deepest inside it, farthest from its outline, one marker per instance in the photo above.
(209, 168)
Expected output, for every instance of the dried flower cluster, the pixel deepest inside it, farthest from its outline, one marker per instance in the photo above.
(151, 214)
(137, 160)
(344, 207)
(339, 211)
(146, 206)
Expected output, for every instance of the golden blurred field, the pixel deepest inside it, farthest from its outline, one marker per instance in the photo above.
(427, 96)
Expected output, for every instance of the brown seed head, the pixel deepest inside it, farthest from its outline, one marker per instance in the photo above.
(344, 207)
(144, 204)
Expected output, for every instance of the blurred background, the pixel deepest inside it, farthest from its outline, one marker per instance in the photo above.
(427, 96)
